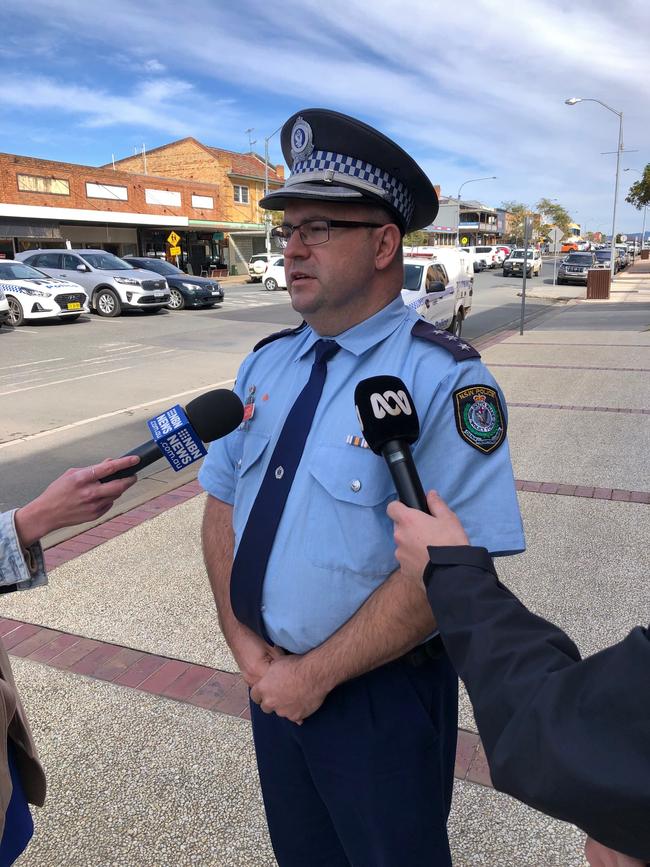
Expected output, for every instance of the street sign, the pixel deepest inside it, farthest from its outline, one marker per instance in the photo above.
(173, 239)
(555, 236)
(174, 251)
(464, 240)
(623, 238)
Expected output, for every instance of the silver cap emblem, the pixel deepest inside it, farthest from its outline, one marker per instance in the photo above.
(302, 140)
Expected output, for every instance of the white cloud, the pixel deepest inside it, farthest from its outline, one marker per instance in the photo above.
(470, 92)
(154, 66)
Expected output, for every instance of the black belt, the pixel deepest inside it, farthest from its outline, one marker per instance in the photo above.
(431, 649)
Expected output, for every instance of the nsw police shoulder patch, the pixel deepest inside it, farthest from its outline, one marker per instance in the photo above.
(479, 417)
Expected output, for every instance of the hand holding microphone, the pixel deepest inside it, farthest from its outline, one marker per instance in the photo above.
(179, 434)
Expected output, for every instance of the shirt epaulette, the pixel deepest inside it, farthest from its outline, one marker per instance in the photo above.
(278, 334)
(460, 349)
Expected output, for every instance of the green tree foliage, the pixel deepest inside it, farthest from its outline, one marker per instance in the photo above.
(552, 215)
(639, 193)
(416, 239)
(519, 213)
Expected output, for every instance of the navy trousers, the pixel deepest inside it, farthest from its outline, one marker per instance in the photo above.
(366, 781)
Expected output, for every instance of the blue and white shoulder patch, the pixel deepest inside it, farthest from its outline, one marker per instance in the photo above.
(460, 349)
(287, 332)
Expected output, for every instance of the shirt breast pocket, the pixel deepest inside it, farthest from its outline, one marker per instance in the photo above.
(348, 529)
(249, 477)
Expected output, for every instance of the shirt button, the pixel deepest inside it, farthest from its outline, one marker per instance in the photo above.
(355, 485)
(262, 607)
(279, 472)
(239, 464)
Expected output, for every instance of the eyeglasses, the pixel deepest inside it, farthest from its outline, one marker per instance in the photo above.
(314, 232)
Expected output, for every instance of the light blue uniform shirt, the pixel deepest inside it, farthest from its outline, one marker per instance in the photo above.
(334, 545)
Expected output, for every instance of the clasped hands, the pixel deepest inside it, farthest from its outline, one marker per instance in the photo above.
(280, 683)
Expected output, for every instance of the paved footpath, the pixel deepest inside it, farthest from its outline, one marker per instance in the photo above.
(137, 706)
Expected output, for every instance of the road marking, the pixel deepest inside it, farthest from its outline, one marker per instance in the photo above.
(75, 366)
(129, 351)
(28, 363)
(23, 331)
(127, 346)
(59, 381)
(126, 409)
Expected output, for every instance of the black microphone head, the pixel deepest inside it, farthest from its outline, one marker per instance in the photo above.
(215, 413)
(385, 411)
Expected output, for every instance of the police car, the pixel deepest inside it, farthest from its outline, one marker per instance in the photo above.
(439, 285)
(31, 294)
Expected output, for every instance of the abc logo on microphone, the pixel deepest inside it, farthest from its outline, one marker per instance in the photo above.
(391, 402)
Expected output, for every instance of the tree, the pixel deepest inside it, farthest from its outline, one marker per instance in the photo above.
(518, 212)
(416, 239)
(552, 215)
(639, 193)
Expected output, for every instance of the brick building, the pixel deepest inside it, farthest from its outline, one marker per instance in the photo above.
(240, 179)
(203, 194)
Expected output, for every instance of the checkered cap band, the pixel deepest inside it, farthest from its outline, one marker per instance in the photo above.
(392, 190)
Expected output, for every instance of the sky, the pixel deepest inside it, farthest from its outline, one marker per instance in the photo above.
(470, 90)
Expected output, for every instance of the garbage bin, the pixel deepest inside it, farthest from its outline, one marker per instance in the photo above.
(598, 280)
(645, 254)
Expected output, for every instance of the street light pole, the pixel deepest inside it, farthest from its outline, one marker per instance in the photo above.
(267, 216)
(470, 181)
(572, 101)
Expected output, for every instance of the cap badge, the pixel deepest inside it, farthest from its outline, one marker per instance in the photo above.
(302, 140)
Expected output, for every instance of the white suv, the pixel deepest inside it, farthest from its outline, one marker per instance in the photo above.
(257, 265)
(514, 265)
(111, 283)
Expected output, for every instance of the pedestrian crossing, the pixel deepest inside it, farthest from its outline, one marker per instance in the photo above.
(254, 298)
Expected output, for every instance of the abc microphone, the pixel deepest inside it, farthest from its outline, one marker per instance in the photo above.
(390, 425)
(178, 434)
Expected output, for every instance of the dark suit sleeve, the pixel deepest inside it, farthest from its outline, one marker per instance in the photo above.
(567, 736)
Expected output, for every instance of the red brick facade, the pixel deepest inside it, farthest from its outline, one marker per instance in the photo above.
(78, 176)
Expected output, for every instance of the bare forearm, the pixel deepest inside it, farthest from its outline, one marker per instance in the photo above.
(393, 620)
(218, 546)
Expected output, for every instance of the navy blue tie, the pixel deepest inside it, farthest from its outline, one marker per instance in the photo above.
(249, 566)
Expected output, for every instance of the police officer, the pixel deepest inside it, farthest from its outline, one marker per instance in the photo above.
(354, 706)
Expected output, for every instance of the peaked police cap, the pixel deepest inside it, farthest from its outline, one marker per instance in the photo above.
(337, 158)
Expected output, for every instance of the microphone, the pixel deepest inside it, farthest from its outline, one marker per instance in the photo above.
(179, 434)
(390, 425)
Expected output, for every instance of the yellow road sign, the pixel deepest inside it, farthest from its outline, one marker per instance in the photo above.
(173, 239)
(464, 241)
(174, 251)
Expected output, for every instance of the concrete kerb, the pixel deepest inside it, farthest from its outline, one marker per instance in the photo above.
(629, 286)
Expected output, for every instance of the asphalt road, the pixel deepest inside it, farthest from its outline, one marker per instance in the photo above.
(72, 393)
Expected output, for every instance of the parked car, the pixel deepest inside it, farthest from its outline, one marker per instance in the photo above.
(273, 276)
(4, 307)
(514, 264)
(31, 294)
(492, 254)
(112, 284)
(569, 247)
(477, 261)
(604, 260)
(439, 285)
(623, 255)
(257, 265)
(184, 290)
(575, 267)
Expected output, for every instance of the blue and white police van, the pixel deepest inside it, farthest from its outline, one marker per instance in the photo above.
(439, 285)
